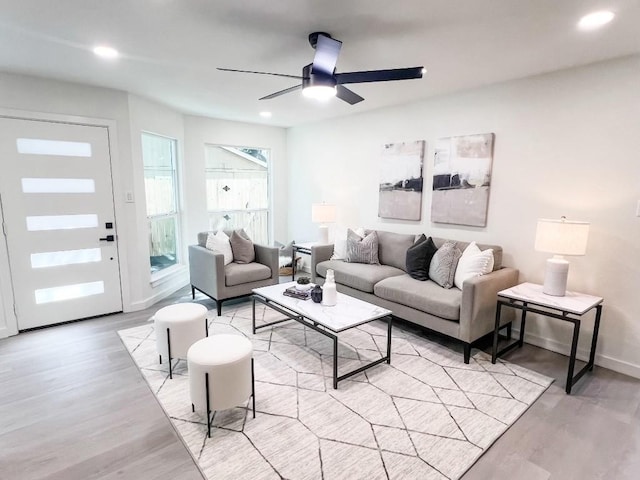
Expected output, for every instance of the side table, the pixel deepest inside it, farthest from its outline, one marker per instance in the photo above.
(528, 297)
(302, 248)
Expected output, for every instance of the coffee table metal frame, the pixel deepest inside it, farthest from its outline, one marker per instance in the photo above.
(323, 330)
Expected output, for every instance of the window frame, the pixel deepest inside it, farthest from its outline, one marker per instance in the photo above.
(176, 213)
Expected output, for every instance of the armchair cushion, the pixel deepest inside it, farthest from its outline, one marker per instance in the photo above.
(242, 246)
(219, 242)
(240, 273)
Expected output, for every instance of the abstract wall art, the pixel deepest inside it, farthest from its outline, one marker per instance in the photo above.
(462, 179)
(401, 180)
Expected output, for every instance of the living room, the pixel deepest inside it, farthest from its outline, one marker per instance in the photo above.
(564, 146)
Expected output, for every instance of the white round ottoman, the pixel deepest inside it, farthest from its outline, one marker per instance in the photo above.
(220, 373)
(177, 328)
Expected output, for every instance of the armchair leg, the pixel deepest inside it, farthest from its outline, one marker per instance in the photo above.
(193, 292)
(467, 352)
(219, 305)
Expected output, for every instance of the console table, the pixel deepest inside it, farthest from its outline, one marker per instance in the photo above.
(528, 297)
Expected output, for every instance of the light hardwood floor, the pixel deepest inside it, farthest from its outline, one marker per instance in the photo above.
(74, 406)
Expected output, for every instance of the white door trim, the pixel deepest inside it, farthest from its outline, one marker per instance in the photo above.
(6, 290)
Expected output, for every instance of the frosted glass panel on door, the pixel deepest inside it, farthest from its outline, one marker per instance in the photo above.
(36, 146)
(68, 292)
(58, 185)
(66, 257)
(61, 222)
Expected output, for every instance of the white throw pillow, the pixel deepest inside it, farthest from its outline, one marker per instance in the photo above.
(473, 263)
(219, 243)
(340, 243)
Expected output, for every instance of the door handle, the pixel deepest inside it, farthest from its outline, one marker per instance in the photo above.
(109, 238)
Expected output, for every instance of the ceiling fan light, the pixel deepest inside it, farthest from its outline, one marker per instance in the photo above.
(319, 92)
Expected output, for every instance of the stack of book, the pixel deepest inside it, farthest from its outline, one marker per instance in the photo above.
(299, 294)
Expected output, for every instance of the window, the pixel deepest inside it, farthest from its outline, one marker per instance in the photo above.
(238, 190)
(161, 189)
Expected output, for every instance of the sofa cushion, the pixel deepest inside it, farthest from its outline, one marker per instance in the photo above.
(497, 250)
(419, 257)
(392, 248)
(239, 273)
(473, 262)
(426, 296)
(443, 264)
(362, 250)
(360, 276)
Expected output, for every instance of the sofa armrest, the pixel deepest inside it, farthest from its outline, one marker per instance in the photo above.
(478, 308)
(319, 253)
(268, 256)
(206, 270)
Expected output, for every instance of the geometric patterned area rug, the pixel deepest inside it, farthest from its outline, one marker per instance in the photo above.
(427, 415)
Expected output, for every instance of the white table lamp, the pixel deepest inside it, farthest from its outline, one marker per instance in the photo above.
(560, 237)
(323, 213)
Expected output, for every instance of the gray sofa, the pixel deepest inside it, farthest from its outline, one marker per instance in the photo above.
(210, 276)
(466, 315)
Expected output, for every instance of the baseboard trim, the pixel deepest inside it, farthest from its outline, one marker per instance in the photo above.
(605, 361)
(168, 288)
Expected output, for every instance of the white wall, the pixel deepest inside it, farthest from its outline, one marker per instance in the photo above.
(200, 131)
(567, 143)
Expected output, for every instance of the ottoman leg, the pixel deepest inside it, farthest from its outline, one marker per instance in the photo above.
(253, 389)
(206, 379)
(169, 350)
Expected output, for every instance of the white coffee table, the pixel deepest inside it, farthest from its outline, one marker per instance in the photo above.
(328, 321)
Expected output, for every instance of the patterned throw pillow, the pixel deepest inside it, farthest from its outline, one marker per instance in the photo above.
(362, 250)
(219, 243)
(473, 262)
(242, 246)
(340, 244)
(443, 265)
(419, 257)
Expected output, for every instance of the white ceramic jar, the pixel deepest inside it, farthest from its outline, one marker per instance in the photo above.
(329, 291)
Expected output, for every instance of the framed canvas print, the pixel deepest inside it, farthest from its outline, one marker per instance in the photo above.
(400, 194)
(462, 179)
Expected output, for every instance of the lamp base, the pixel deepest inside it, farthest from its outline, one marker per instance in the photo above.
(324, 235)
(555, 276)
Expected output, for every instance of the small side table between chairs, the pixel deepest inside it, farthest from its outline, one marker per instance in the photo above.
(220, 374)
(177, 328)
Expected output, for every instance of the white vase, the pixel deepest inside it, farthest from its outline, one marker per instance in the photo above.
(329, 291)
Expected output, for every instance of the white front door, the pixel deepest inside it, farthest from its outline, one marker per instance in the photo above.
(57, 203)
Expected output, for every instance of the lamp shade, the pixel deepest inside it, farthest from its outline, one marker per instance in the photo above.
(562, 237)
(323, 213)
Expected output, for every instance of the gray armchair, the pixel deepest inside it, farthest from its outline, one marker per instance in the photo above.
(210, 276)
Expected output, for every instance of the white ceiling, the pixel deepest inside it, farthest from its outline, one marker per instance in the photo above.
(171, 48)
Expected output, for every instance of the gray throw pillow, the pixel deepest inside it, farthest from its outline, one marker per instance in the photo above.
(242, 247)
(443, 264)
(362, 250)
(419, 256)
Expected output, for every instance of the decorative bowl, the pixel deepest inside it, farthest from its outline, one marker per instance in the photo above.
(304, 287)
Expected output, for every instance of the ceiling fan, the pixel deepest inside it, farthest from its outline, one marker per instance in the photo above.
(320, 80)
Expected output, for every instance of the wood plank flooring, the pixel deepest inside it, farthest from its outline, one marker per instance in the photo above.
(74, 406)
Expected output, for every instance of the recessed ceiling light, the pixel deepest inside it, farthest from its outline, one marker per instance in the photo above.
(595, 20)
(106, 52)
(265, 114)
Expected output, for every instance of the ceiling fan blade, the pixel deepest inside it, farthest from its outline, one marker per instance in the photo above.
(260, 73)
(282, 92)
(343, 93)
(379, 75)
(326, 57)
